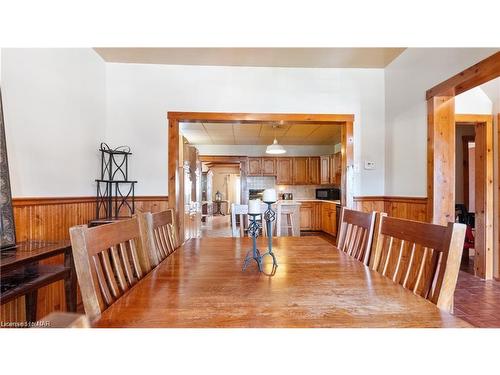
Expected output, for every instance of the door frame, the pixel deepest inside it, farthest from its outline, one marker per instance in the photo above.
(175, 188)
(484, 207)
(466, 139)
(441, 154)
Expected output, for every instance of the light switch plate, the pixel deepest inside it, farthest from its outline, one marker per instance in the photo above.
(369, 165)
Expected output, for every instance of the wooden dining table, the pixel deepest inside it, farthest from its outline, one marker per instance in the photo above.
(315, 285)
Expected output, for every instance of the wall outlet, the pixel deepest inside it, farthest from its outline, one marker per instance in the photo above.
(369, 165)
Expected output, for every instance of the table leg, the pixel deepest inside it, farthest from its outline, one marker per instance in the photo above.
(70, 282)
(30, 303)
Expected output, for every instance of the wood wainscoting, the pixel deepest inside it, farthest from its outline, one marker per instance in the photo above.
(413, 208)
(49, 219)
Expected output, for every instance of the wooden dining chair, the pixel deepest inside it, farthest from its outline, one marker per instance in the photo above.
(108, 260)
(356, 233)
(240, 211)
(160, 234)
(422, 257)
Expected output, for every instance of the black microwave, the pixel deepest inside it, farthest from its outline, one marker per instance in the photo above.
(330, 194)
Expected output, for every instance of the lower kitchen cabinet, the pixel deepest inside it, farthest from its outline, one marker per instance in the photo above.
(310, 216)
(329, 218)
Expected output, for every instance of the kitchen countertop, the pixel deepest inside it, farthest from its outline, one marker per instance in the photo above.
(316, 200)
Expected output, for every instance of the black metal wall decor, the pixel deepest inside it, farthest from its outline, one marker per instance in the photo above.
(115, 192)
(7, 230)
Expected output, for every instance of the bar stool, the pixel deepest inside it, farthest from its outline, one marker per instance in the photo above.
(288, 212)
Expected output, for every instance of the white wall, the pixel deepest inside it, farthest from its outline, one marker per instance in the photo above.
(260, 150)
(473, 101)
(54, 109)
(406, 80)
(139, 97)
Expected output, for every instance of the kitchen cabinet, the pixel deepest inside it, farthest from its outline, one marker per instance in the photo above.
(284, 171)
(324, 170)
(332, 169)
(335, 168)
(310, 216)
(314, 170)
(328, 218)
(268, 166)
(254, 166)
(337, 161)
(300, 171)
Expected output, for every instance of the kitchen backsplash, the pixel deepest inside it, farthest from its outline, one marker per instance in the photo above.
(298, 191)
(261, 182)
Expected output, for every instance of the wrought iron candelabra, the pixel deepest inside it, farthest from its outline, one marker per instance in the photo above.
(253, 231)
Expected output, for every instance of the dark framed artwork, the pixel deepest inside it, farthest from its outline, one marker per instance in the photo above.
(7, 230)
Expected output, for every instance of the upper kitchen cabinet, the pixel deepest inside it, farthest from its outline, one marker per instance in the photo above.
(284, 171)
(325, 170)
(314, 170)
(268, 166)
(254, 166)
(300, 171)
(337, 160)
(335, 168)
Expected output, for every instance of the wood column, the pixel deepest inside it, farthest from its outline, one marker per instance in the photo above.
(441, 159)
(173, 174)
(347, 183)
(483, 263)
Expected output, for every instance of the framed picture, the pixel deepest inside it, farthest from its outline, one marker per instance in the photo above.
(7, 230)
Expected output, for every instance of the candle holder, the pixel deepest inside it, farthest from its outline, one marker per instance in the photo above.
(270, 216)
(253, 231)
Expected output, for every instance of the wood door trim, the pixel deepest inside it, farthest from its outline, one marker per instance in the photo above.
(465, 164)
(174, 118)
(441, 156)
(476, 75)
(259, 117)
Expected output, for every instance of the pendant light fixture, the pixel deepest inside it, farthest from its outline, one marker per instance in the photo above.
(275, 148)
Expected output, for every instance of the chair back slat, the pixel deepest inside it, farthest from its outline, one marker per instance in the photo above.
(161, 232)
(126, 263)
(107, 261)
(103, 285)
(422, 257)
(118, 266)
(356, 233)
(109, 274)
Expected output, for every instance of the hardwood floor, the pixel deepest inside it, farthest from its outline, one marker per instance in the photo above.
(217, 226)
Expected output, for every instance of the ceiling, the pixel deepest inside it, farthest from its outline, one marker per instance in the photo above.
(260, 134)
(271, 57)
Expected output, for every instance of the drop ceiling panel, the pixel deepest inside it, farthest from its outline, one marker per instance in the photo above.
(268, 130)
(301, 130)
(260, 134)
(249, 130)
